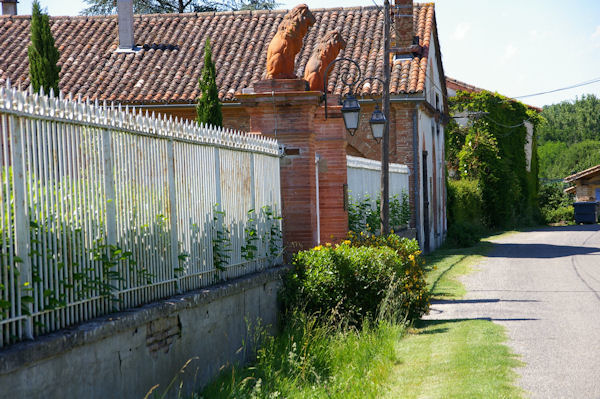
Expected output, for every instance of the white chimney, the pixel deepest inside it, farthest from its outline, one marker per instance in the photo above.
(9, 7)
(125, 15)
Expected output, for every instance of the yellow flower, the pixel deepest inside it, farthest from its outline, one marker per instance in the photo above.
(411, 257)
(347, 242)
(318, 248)
(328, 244)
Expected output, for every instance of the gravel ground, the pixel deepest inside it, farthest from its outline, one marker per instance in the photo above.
(543, 286)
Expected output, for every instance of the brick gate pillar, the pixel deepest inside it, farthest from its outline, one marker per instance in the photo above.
(333, 174)
(284, 110)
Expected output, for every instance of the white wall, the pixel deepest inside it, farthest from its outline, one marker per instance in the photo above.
(431, 139)
(364, 178)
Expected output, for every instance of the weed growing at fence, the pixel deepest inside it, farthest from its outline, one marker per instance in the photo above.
(364, 215)
(249, 248)
(273, 235)
(221, 241)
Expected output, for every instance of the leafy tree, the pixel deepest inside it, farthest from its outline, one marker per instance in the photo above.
(99, 7)
(208, 109)
(571, 122)
(558, 159)
(43, 54)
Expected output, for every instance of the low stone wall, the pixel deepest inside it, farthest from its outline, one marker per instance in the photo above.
(124, 355)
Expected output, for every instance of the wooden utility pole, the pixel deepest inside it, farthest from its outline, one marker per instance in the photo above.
(385, 143)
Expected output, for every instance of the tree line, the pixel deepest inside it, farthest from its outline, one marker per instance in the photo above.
(102, 7)
(569, 137)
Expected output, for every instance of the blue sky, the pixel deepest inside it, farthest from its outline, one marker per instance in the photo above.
(514, 47)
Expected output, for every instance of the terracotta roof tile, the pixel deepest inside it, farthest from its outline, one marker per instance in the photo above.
(167, 66)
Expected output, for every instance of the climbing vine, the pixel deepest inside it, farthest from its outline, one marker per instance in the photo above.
(491, 150)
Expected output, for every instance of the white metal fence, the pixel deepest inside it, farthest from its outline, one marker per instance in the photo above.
(102, 209)
(364, 178)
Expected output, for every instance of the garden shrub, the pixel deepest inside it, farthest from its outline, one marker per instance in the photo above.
(464, 202)
(559, 215)
(351, 281)
(556, 205)
(463, 234)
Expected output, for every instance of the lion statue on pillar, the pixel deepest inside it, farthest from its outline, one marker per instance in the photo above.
(287, 42)
(325, 52)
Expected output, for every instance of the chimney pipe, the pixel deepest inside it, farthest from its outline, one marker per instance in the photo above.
(403, 21)
(9, 7)
(125, 16)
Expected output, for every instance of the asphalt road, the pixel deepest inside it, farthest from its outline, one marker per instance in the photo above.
(544, 287)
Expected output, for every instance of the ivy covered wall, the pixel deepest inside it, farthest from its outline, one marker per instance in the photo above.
(490, 149)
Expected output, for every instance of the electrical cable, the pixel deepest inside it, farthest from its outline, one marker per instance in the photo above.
(587, 82)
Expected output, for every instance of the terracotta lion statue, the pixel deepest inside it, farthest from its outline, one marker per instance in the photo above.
(325, 52)
(287, 42)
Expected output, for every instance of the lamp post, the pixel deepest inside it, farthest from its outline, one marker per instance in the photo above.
(385, 143)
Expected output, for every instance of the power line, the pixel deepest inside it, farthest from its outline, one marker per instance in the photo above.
(587, 82)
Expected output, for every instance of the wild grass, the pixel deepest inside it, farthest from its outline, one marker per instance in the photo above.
(310, 359)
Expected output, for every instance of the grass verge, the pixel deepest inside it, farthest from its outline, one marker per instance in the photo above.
(454, 358)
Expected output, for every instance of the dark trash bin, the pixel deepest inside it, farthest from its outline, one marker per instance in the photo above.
(586, 212)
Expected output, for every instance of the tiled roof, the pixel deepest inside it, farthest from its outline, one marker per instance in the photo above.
(594, 170)
(167, 67)
(457, 85)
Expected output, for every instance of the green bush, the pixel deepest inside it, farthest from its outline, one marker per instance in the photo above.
(556, 206)
(463, 234)
(558, 215)
(464, 202)
(352, 283)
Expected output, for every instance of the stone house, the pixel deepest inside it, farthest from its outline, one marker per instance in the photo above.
(585, 184)
(160, 75)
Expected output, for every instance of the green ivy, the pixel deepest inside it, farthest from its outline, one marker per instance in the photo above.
(490, 150)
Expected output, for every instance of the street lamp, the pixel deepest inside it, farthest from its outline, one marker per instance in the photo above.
(377, 123)
(350, 105)
(351, 113)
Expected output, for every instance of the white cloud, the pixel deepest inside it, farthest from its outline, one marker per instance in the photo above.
(509, 52)
(461, 31)
(535, 35)
(595, 37)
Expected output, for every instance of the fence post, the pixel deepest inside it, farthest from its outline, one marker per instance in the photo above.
(22, 244)
(111, 209)
(257, 262)
(173, 210)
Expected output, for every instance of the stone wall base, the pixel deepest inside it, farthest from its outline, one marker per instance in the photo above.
(124, 355)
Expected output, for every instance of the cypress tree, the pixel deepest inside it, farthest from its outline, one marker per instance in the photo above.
(208, 109)
(43, 55)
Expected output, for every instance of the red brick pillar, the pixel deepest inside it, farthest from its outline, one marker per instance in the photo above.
(404, 151)
(283, 110)
(333, 174)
